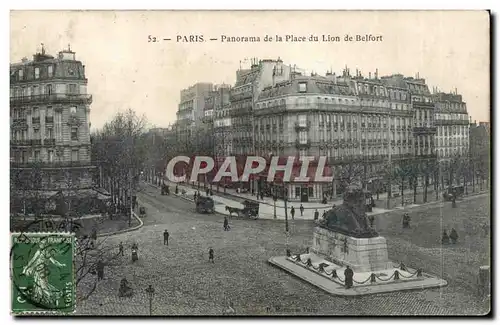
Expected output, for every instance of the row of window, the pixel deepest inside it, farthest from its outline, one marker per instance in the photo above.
(452, 142)
(23, 156)
(48, 89)
(454, 106)
(17, 113)
(446, 152)
(36, 72)
(452, 130)
(381, 91)
(22, 135)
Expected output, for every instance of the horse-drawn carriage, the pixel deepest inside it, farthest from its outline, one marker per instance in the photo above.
(165, 189)
(204, 204)
(250, 210)
(454, 192)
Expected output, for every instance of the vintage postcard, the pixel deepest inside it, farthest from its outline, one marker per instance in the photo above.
(255, 163)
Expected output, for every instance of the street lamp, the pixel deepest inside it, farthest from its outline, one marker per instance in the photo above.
(151, 292)
(287, 234)
(274, 199)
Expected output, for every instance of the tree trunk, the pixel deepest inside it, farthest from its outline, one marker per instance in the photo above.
(436, 185)
(415, 190)
(402, 191)
(426, 185)
(465, 185)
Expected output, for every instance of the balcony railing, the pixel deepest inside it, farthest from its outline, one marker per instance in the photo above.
(303, 125)
(19, 123)
(20, 142)
(52, 98)
(49, 142)
(451, 122)
(302, 143)
(46, 164)
(421, 129)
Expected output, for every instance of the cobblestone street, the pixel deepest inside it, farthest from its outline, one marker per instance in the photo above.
(186, 283)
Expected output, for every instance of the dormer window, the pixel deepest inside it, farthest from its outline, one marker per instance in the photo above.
(71, 72)
(50, 71)
(20, 74)
(302, 87)
(72, 110)
(37, 73)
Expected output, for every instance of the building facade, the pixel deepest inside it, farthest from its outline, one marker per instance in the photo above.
(480, 151)
(50, 141)
(349, 118)
(452, 125)
(190, 115)
(217, 109)
(249, 84)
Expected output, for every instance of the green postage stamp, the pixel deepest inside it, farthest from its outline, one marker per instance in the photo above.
(42, 273)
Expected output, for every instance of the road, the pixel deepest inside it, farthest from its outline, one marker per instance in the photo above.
(187, 284)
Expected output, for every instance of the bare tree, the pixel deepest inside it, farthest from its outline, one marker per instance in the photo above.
(120, 150)
(402, 173)
(430, 167)
(350, 173)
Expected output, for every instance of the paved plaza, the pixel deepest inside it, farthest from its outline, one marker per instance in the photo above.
(186, 283)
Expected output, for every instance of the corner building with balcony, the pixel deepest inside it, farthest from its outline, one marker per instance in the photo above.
(348, 118)
(50, 141)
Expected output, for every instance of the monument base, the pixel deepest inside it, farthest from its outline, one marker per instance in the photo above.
(360, 254)
(330, 277)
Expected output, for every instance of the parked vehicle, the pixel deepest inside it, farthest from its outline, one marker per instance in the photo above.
(142, 212)
(205, 204)
(165, 190)
(453, 193)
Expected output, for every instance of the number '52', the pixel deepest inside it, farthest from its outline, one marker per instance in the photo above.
(151, 39)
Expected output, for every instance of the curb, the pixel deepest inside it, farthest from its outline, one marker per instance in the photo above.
(141, 223)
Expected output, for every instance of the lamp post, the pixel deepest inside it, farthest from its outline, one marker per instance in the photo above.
(287, 234)
(151, 292)
(274, 199)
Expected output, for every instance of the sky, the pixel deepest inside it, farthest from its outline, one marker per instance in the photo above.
(450, 49)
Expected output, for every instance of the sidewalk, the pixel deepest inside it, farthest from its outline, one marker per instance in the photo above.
(266, 211)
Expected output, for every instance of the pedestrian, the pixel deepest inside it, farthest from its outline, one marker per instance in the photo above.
(301, 210)
(100, 270)
(226, 224)
(324, 215)
(292, 212)
(445, 239)
(93, 238)
(262, 196)
(348, 274)
(333, 206)
(453, 236)
(207, 191)
(372, 220)
(120, 248)
(316, 214)
(211, 193)
(195, 193)
(166, 235)
(211, 255)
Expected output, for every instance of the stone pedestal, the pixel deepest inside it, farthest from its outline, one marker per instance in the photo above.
(361, 254)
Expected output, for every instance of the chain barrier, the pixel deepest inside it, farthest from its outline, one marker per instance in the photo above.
(362, 282)
(372, 277)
